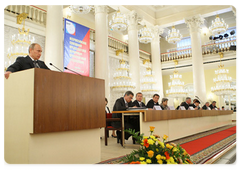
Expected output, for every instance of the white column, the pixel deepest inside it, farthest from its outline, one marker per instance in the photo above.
(54, 37)
(101, 47)
(156, 61)
(133, 47)
(197, 59)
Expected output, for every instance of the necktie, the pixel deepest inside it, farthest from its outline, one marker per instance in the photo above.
(140, 104)
(35, 63)
(126, 104)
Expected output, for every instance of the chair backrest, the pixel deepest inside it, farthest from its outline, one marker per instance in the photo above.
(109, 115)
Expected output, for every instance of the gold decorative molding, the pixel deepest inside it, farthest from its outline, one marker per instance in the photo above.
(21, 17)
(146, 60)
(119, 51)
(175, 62)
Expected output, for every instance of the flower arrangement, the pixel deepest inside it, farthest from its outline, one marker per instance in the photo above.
(154, 151)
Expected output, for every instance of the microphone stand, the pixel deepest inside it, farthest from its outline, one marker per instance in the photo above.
(72, 71)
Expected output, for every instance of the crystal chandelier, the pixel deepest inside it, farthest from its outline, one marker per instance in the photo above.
(218, 26)
(122, 77)
(148, 82)
(174, 36)
(20, 42)
(222, 81)
(81, 9)
(176, 86)
(145, 35)
(119, 22)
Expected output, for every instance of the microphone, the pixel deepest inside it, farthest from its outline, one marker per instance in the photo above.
(72, 71)
(55, 67)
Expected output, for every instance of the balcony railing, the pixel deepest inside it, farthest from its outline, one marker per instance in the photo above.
(211, 47)
(116, 44)
(34, 13)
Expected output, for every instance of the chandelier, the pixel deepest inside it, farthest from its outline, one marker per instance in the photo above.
(145, 35)
(122, 77)
(176, 85)
(119, 22)
(148, 82)
(174, 36)
(218, 26)
(19, 42)
(222, 81)
(81, 9)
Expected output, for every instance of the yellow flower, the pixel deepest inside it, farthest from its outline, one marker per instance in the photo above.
(161, 143)
(171, 160)
(163, 157)
(160, 161)
(142, 143)
(169, 146)
(150, 141)
(157, 149)
(145, 137)
(151, 128)
(184, 152)
(143, 162)
(165, 137)
(158, 157)
(141, 158)
(150, 153)
(175, 149)
(148, 161)
(153, 137)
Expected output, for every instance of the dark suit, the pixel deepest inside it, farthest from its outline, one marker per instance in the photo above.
(185, 105)
(212, 107)
(151, 104)
(205, 107)
(136, 103)
(131, 123)
(24, 63)
(194, 106)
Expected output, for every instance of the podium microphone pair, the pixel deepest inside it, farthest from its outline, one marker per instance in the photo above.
(65, 68)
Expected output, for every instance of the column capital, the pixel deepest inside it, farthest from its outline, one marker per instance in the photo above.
(100, 9)
(133, 19)
(156, 30)
(194, 22)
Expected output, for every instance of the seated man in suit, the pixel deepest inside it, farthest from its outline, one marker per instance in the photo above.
(138, 102)
(206, 106)
(195, 104)
(213, 105)
(30, 61)
(164, 105)
(122, 104)
(153, 102)
(186, 103)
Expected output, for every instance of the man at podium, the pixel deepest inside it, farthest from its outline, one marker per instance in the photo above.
(30, 61)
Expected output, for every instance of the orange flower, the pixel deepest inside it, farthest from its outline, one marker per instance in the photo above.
(137, 162)
(167, 155)
(150, 153)
(165, 137)
(152, 128)
(145, 143)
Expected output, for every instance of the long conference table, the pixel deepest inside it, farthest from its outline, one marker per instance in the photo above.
(178, 123)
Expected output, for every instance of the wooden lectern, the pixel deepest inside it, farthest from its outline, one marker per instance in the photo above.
(53, 117)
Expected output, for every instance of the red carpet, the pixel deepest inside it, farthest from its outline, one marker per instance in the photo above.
(204, 142)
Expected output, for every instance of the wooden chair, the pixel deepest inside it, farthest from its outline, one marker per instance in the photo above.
(109, 119)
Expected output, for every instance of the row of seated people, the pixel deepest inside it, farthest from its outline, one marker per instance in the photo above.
(125, 102)
(132, 122)
(195, 105)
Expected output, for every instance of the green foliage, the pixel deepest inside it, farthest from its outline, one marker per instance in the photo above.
(154, 151)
